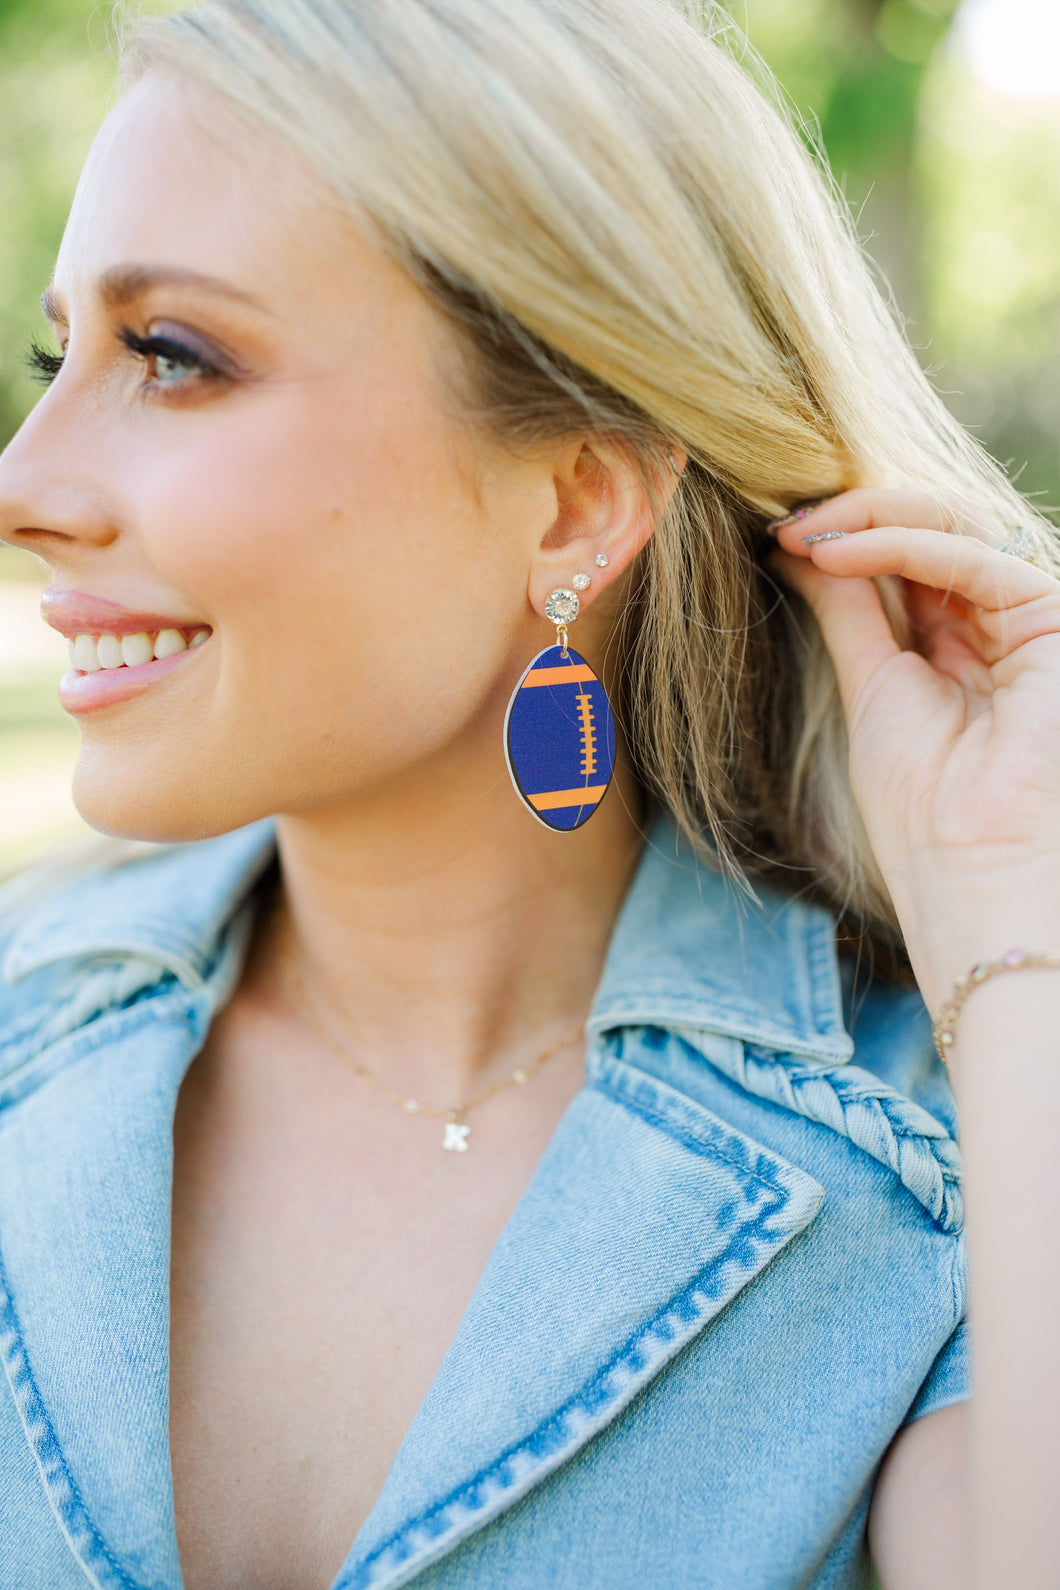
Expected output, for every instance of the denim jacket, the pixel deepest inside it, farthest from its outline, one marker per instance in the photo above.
(734, 1275)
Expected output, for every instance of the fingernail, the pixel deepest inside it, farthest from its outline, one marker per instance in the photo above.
(793, 518)
(824, 535)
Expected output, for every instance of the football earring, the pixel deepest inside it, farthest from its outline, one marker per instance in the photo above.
(559, 735)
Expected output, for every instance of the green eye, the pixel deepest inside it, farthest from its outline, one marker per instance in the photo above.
(169, 363)
(170, 367)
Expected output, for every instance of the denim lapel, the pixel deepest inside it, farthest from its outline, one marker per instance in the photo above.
(86, 1113)
(85, 1186)
(645, 1217)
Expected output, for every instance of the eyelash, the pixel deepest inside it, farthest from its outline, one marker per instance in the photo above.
(44, 366)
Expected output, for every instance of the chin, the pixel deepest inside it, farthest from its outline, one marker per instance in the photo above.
(170, 805)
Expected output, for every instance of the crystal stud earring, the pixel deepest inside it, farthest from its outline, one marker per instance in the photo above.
(562, 608)
(581, 582)
(602, 560)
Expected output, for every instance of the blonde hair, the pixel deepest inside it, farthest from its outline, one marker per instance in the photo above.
(633, 240)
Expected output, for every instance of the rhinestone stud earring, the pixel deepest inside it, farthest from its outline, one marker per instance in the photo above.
(602, 560)
(581, 582)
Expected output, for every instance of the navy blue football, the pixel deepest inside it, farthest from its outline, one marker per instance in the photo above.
(559, 737)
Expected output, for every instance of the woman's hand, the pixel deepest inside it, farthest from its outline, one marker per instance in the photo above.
(955, 762)
(955, 745)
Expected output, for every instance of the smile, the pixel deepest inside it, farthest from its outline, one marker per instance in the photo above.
(91, 654)
(116, 652)
(109, 669)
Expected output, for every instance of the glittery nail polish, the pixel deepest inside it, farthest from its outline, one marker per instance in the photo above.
(802, 512)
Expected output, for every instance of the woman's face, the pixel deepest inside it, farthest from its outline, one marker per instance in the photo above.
(285, 476)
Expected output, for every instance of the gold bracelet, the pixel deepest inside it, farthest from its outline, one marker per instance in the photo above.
(945, 1028)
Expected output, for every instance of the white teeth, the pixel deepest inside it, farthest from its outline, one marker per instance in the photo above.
(83, 654)
(169, 642)
(136, 649)
(90, 653)
(109, 650)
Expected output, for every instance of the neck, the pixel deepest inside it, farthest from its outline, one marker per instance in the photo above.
(447, 943)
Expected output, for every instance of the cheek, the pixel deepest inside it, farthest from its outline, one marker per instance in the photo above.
(362, 610)
(309, 507)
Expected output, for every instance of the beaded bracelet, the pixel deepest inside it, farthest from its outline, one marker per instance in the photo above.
(945, 1028)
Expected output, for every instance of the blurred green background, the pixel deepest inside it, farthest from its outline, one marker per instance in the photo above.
(941, 119)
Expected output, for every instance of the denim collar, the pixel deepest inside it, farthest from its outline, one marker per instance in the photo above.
(171, 906)
(690, 950)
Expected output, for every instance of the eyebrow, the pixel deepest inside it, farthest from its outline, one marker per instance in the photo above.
(122, 284)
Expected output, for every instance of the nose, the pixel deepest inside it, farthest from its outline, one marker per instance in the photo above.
(52, 500)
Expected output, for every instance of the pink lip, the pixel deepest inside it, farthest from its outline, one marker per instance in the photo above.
(80, 693)
(74, 613)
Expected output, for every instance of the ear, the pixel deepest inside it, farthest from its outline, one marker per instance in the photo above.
(608, 503)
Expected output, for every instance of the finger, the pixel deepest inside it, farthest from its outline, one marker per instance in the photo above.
(851, 618)
(949, 634)
(957, 564)
(1010, 628)
(866, 509)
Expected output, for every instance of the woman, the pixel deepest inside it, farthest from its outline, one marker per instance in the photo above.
(387, 1167)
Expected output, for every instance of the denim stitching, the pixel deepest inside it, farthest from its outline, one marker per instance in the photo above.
(826, 996)
(958, 1282)
(756, 1225)
(20, 1359)
(699, 1146)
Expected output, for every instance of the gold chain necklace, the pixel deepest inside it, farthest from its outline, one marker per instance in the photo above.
(456, 1132)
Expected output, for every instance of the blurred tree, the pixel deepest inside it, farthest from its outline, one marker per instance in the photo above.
(854, 71)
(957, 196)
(869, 125)
(989, 179)
(54, 79)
